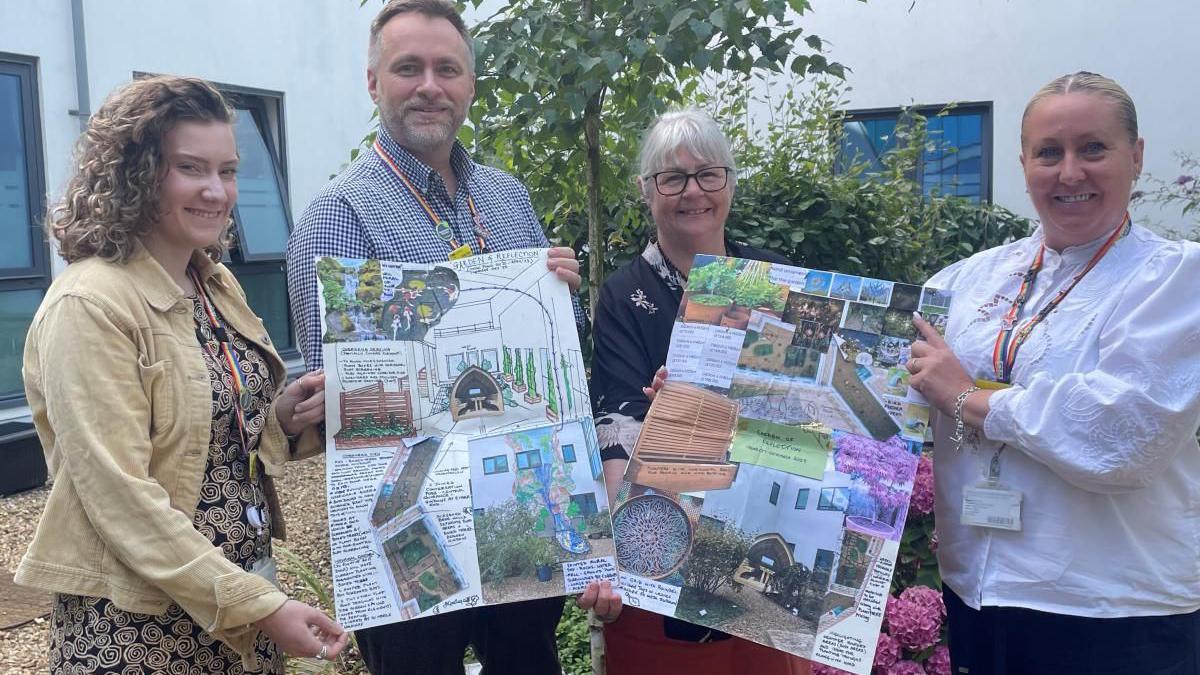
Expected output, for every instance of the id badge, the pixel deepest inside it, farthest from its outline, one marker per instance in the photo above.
(461, 252)
(992, 505)
(265, 568)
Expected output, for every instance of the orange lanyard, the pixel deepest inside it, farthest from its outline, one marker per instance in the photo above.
(1011, 338)
(440, 226)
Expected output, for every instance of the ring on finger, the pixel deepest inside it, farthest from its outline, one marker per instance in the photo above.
(323, 653)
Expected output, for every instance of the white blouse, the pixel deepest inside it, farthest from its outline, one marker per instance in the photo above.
(1100, 428)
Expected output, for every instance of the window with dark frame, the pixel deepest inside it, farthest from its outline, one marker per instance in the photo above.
(530, 459)
(775, 488)
(586, 502)
(834, 499)
(802, 499)
(24, 259)
(262, 217)
(568, 453)
(957, 160)
(497, 464)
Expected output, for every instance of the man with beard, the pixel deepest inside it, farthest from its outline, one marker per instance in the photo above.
(416, 196)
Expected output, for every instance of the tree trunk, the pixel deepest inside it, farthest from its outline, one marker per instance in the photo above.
(595, 229)
(591, 133)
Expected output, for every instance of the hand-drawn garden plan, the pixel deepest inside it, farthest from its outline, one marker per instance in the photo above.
(462, 464)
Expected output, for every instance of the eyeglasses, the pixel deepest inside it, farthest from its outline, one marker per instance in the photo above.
(671, 183)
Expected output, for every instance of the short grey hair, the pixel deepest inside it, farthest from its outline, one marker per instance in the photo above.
(689, 129)
(433, 9)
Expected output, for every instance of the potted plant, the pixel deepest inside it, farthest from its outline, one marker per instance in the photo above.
(709, 291)
(755, 290)
(706, 308)
(544, 555)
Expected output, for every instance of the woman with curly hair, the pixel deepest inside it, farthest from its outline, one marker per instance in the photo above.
(162, 409)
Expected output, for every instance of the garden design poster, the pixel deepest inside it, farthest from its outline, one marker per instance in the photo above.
(769, 486)
(462, 464)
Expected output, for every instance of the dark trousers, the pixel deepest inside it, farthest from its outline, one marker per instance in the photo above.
(516, 638)
(1016, 641)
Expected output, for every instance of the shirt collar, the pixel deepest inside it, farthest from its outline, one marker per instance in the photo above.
(1080, 253)
(419, 172)
(160, 291)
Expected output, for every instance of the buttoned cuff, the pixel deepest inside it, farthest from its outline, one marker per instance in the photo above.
(1000, 423)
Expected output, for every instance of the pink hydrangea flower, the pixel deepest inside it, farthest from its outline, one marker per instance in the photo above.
(906, 667)
(922, 492)
(915, 617)
(927, 597)
(938, 662)
(887, 651)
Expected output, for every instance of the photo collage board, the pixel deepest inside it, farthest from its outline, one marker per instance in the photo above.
(768, 489)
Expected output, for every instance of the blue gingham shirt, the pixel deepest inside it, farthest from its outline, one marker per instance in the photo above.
(367, 212)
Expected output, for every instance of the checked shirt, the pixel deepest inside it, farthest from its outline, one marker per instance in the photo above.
(367, 212)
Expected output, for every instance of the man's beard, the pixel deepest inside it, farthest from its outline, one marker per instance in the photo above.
(419, 137)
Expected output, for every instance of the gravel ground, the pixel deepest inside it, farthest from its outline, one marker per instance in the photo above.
(22, 649)
(302, 492)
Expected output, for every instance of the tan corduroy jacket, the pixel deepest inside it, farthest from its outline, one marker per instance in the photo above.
(121, 399)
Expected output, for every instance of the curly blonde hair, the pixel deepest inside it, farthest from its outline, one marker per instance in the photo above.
(112, 196)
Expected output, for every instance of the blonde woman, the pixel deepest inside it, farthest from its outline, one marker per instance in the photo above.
(1068, 391)
(162, 409)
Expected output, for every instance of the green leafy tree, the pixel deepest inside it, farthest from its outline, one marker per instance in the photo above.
(531, 375)
(566, 366)
(551, 389)
(507, 363)
(520, 372)
(503, 535)
(564, 90)
(717, 551)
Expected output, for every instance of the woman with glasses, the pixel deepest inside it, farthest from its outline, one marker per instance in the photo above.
(687, 178)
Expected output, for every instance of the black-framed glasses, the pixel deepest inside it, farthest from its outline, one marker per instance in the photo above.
(711, 179)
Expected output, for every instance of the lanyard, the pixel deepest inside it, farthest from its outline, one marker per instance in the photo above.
(241, 394)
(440, 226)
(1011, 337)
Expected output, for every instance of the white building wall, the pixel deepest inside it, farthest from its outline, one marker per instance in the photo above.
(747, 501)
(313, 52)
(939, 51)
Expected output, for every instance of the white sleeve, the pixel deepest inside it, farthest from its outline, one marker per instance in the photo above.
(1116, 427)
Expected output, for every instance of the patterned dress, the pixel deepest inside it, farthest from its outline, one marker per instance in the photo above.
(91, 635)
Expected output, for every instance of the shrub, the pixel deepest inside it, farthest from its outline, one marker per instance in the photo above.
(717, 551)
(504, 541)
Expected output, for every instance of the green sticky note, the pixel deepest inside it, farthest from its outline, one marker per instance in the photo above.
(802, 450)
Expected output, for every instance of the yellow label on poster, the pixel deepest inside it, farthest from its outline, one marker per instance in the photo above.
(461, 252)
(802, 450)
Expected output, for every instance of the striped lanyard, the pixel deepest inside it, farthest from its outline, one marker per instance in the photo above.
(241, 393)
(1011, 336)
(440, 225)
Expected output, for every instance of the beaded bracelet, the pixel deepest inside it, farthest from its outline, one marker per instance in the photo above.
(959, 431)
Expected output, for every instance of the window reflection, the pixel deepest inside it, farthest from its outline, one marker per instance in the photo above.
(15, 216)
(263, 230)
